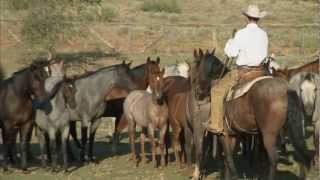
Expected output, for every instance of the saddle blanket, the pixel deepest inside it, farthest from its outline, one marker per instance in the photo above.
(240, 90)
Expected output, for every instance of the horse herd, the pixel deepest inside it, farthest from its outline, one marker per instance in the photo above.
(178, 96)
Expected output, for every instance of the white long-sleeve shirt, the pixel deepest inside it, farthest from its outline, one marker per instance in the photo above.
(250, 46)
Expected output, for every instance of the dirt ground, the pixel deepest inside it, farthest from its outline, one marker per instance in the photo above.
(292, 46)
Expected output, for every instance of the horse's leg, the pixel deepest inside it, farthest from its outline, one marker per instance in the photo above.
(53, 148)
(176, 131)
(142, 148)
(43, 147)
(198, 143)
(24, 133)
(6, 139)
(228, 145)
(93, 129)
(73, 133)
(132, 131)
(64, 136)
(269, 142)
(153, 145)
(13, 145)
(163, 132)
(115, 136)
(30, 155)
(188, 145)
(84, 137)
(69, 148)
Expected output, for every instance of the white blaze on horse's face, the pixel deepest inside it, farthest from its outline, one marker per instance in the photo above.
(308, 95)
(47, 70)
(158, 78)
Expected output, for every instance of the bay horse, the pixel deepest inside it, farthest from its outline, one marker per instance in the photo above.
(313, 66)
(149, 111)
(17, 94)
(262, 110)
(56, 122)
(90, 99)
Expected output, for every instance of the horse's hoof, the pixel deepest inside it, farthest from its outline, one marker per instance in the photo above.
(145, 160)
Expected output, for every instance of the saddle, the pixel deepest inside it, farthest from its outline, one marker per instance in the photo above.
(247, 77)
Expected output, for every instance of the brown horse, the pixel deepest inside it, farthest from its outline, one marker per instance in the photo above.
(150, 112)
(17, 94)
(288, 73)
(262, 110)
(176, 88)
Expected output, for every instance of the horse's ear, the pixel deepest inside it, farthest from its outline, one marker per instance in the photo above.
(123, 62)
(158, 60)
(213, 51)
(195, 54)
(200, 53)
(162, 71)
(207, 52)
(148, 60)
(129, 64)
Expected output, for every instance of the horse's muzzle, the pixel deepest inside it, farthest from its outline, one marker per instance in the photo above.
(42, 105)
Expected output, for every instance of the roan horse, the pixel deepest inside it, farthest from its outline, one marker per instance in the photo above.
(90, 98)
(150, 112)
(263, 110)
(114, 100)
(307, 86)
(17, 94)
(56, 122)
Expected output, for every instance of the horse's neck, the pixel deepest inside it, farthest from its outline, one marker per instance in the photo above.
(21, 84)
(138, 76)
(58, 101)
(98, 84)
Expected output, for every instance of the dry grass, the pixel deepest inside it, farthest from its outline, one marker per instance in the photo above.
(175, 43)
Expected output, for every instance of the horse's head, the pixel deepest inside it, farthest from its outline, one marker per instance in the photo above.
(30, 81)
(308, 92)
(56, 72)
(69, 91)
(206, 67)
(156, 83)
(124, 79)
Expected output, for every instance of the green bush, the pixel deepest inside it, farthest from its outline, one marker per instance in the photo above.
(170, 6)
(107, 13)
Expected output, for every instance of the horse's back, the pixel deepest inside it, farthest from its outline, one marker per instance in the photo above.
(135, 106)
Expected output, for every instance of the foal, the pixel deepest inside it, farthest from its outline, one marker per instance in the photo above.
(150, 112)
(57, 121)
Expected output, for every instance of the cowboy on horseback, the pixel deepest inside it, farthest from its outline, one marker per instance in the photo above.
(249, 46)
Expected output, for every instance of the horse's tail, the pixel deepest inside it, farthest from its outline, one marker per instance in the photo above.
(296, 129)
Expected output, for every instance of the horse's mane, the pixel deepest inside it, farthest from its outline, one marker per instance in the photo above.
(36, 63)
(91, 73)
(139, 66)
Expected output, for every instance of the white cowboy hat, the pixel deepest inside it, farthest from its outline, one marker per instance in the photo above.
(254, 11)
